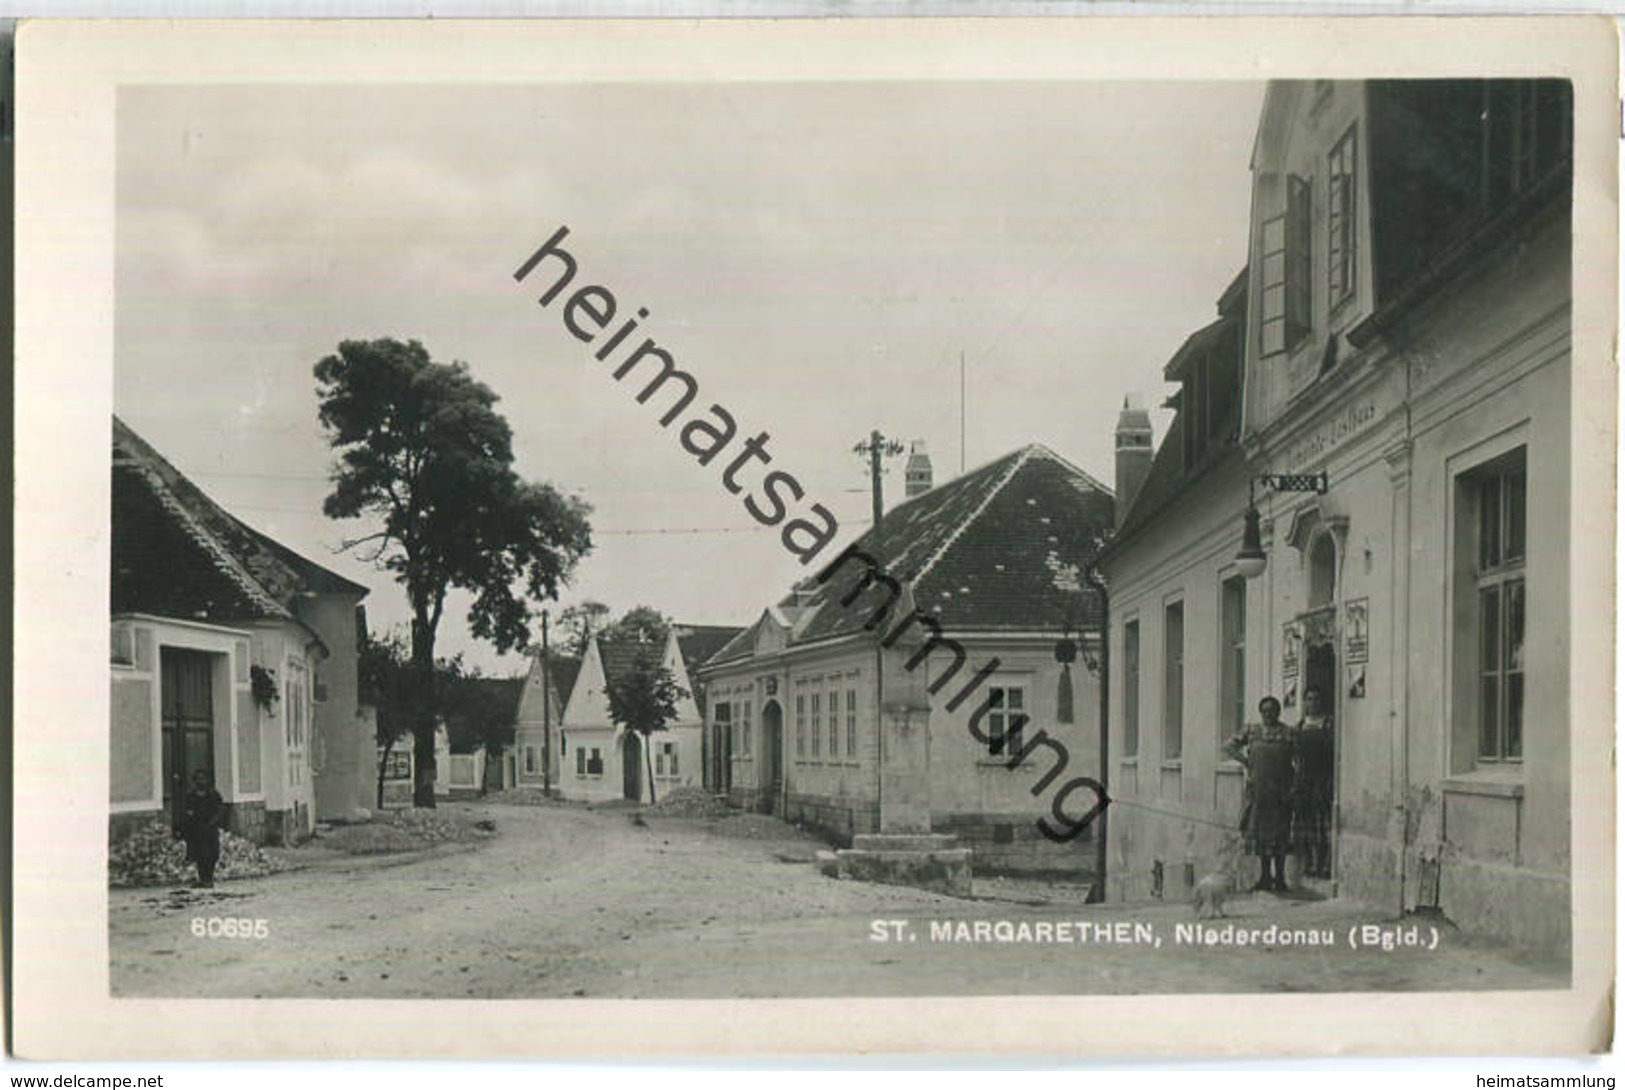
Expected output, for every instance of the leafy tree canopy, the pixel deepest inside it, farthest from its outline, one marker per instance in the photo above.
(642, 623)
(421, 447)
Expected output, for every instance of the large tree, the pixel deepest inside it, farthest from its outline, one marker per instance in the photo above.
(422, 449)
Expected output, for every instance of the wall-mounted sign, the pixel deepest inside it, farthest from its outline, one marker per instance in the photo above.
(1356, 645)
(1291, 648)
(1357, 682)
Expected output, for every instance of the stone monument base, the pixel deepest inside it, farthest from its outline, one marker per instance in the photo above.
(921, 860)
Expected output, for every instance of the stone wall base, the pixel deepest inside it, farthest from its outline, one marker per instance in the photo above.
(247, 820)
(121, 826)
(919, 861)
(1013, 845)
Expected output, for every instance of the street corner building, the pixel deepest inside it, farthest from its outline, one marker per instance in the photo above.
(1401, 327)
(601, 760)
(231, 655)
(936, 678)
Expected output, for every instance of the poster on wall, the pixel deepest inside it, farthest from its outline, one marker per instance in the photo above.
(1356, 647)
(1291, 649)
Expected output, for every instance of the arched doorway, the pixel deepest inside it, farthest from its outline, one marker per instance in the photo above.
(1315, 833)
(632, 766)
(772, 772)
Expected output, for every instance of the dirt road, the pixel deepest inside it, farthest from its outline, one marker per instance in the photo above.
(567, 901)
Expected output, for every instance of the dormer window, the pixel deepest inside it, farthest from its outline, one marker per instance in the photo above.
(1285, 296)
(1340, 220)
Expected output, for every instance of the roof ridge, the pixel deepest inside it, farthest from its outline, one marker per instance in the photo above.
(1072, 466)
(1017, 462)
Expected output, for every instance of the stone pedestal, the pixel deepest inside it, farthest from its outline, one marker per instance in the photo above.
(905, 852)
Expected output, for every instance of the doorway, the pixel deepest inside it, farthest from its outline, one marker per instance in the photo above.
(186, 697)
(631, 766)
(772, 781)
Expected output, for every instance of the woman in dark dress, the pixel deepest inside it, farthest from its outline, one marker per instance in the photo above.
(1267, 752)
(200, 826)
(1312, 791)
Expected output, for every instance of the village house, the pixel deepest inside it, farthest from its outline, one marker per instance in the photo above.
(1366, 491)
(232, 655)
(801, 701)
(603, 760)
(541, 715)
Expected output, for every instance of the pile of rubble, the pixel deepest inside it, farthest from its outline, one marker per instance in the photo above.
(521, 796)
(407, 831)
(151, 856)
(692, 802)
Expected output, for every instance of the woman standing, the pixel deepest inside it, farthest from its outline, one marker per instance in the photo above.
(1312, 789)
(1267, 752)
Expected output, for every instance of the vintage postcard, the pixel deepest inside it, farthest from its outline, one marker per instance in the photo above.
(807, 532)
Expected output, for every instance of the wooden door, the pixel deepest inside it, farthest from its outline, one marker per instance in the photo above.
(772, 783)
(631, 767)
(186, 697)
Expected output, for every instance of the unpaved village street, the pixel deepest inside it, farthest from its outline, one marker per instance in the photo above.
(569, 901)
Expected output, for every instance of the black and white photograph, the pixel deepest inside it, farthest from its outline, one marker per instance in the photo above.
(637, 512)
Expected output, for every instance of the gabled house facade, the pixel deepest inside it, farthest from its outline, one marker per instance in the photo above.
(230, 654)
(1402, 327)
(539, 746)
(604, 761)
(992, 565)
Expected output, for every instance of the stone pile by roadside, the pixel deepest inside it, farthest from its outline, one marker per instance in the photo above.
(151, 856)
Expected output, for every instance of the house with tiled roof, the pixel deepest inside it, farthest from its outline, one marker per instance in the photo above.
(994, 563)
(230, 654)
(1362, 509)
(603, 760)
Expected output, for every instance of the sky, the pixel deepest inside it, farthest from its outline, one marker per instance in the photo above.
(818, 256)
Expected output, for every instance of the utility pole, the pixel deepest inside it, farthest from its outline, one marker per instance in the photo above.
(547, 716)
(874, 448)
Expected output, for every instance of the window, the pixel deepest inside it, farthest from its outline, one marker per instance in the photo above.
(595, 763)
(1233, 673)
(722, 720)
(530, 760)
(398, 765)
(581, 761)
(817, 724)
(1131, 689)
(1526, 127)
(801, 725)
(1005, 718)
(1285, 271)
(1173, 681)
(1340, 219)
(666, 760)
(834, 724)
(1499, 495)
(744, 729)
(852, 723)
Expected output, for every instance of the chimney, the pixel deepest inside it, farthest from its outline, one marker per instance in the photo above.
(917, 473)
(1134, 454)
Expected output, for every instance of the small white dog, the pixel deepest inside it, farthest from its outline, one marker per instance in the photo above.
(1208, 895)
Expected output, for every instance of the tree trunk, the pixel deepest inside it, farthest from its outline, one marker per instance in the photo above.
(649, 763)
(423, 714)
(383, 765)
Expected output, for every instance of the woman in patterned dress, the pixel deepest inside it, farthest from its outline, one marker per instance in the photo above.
(1266, 750)
(1312, 789)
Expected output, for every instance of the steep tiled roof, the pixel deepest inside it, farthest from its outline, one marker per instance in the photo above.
(1002, 548)
(177, 553)
(698, 642)
(619, 656)
(564, 673)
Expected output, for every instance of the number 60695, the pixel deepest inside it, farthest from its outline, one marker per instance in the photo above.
(230, 927)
